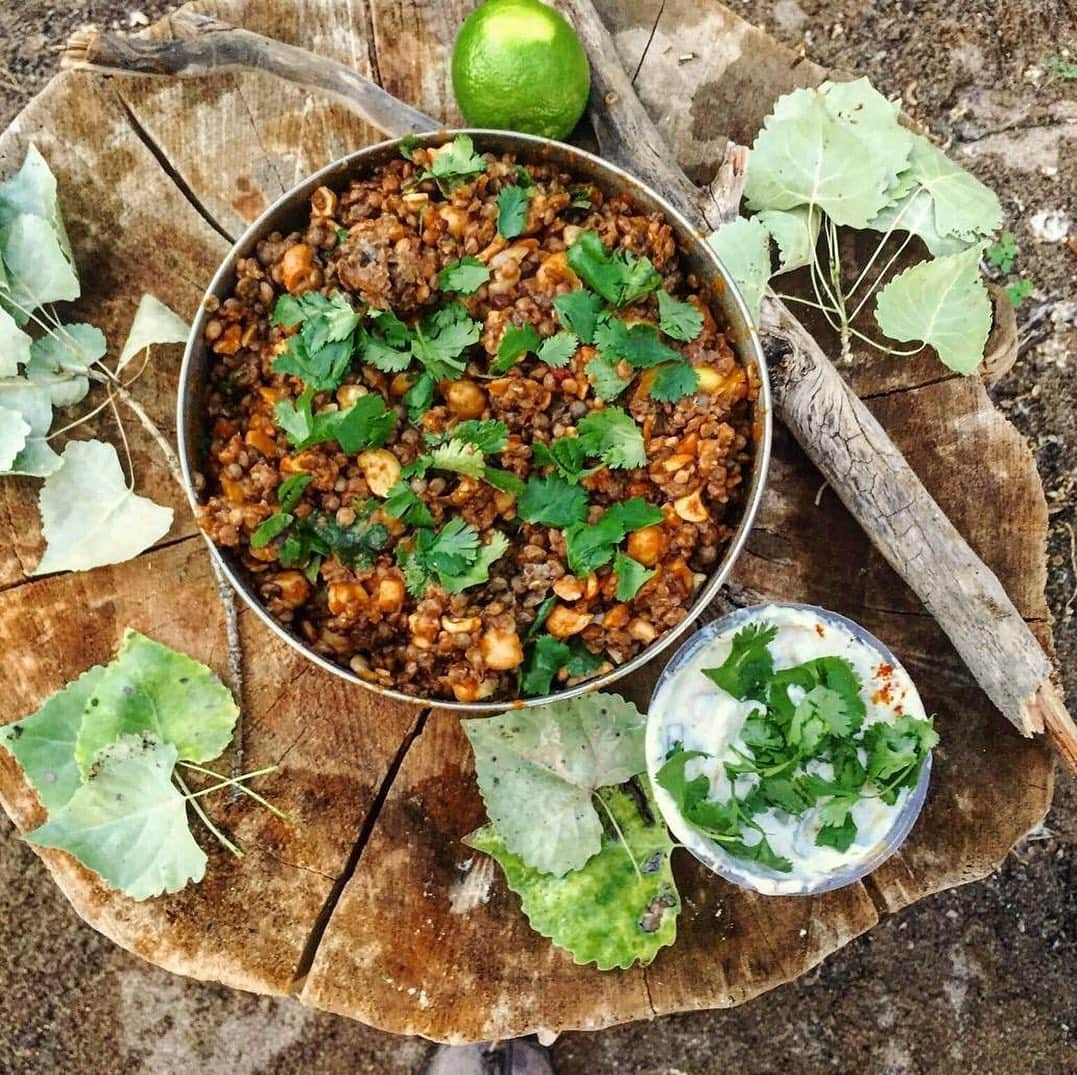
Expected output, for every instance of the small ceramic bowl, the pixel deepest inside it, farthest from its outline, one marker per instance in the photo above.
(664, 729)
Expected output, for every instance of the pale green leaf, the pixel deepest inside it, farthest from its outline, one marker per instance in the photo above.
(154, 323)
(33, 190)
(128, 822)
(31, 405)
(89, 515)
(153, 689)
(804, 156)
(44, 743)
(38, 270)
(13, 433)
(14, 345)
(537, 769)
(874, 121)
(744, 247)
(59, 359)
(915, 212)
(943, 303)
(604, 913)
(796, 231)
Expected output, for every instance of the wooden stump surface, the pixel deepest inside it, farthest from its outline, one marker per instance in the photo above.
(369, 905)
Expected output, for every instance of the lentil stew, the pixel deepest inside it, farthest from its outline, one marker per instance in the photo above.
(473, 430)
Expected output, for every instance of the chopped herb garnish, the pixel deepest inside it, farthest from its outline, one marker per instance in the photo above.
(405, 504)
(407, 146)
(591, 545)
(631, 575)
(454, 164)
(620, 278)
(552, 501)
(320, 353)
(317, 536)
(441, 338)
(488, 435)
(459, 457)
(366, 424)
(578, 311)
(419, 397)
(321, 370)
(465, 276)
(387, 345)
(607, 382)
(453, 557)
(581, 198)
(638, 344)
(678, 320)
(612, 435)
(516, 342)
(548, 655)
(557, 350)
(290, 491)
(512, 203)
(567, 455)
(269, 528)
(673, 381)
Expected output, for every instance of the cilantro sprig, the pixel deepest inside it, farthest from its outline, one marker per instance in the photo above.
(320, 352)
(452, 557)
(512, 205)
(809, 719)
(454, 164)
(590, 546)
(365, 424)
(620, 277)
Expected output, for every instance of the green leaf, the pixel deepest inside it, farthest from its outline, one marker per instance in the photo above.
(557, 350)
(453, 557)
(14, 345)
(613, 435)
(620, 278)
(943, 303)
(33, 190)
(504, 480)
(460, 458)
(552, 501)
(44, 743)
(404, 504)
(673, 381)
(578, 311)
(455, 164)
(546, 657)
(631, 575)
(489, 435)
(270, 528)
(744, 247)
(128, 822)
(59, 361)
(388, 345)
(567, 454)
(290, 491)
(478, 571)
(873, 119)
(419, 397)
(838, 836)
(915, 212)
(806, 156)
(638, 345)
(90, 517)
(154, 323)
(27, 406)
(554, 757)
(591, 545)
(744, 673)
(367, 423)
(608, 383)
(1018, 291)
(150, 688)
(605, 913)
(38, 271)
(678, 320)
(512, 203)
(322, 369)
(516, 342)
(465, 276)
(442, 337)
(13, 433)
(796, 231)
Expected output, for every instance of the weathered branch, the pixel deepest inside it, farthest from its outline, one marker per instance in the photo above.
(845, 441)
(836, 430)
(202, 45)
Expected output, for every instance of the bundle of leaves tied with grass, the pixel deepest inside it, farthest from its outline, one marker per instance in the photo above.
(838, 157)
(575, 828)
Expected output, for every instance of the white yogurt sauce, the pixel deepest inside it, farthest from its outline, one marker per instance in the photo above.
(690, 708)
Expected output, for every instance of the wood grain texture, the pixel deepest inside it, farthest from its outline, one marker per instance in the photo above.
(368, 905)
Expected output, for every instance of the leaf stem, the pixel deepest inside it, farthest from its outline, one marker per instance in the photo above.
(882, 275)
(882, 242)
(237, 783)
(883, 348)
(620, 834)
(227, 781)
(197, 807)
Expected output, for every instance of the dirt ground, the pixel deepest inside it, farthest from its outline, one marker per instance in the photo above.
(979, 978)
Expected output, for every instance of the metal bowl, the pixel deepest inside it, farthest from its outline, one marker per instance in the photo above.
(289, 212)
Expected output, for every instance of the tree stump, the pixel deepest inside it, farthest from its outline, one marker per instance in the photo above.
(368, 904)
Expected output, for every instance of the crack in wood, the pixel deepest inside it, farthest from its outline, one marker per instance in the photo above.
(366, 830)
(168, 168)
(886, 392)
(650, 40)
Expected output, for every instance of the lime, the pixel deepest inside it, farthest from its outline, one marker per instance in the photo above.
(517, 65)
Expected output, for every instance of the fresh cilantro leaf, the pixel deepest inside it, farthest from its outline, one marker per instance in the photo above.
(1003, 253)
(516, 342)
(523, 176)
(512, 203)
(321, 351)
(612, 435)
(744, 673)
(1061, 68)
(366, 424)
(760, 852)
(898, 750)
(458, 457)
(620, 278)
(578, 311)
(590, 545)
(581, 661)
(504, 480)
(454, 165)
(488, 435)
(322, 369)
(634, 514)
(783, 793)
(406, 505)
(419, 397)
(607, 382)
(465, 276)
(581, 198)
(838, 836)
(269, 528)
(288, 311)
(638, 344)
(567, 455)
(552, 501)
(453, 556)
(291, 489)
(407, 146)
(442, 337)
(478, 571)
(295, 418)
(557, 350)
(631, 575)
(541, 615)
(547, 656)
(388, 346)
(1018, 291)
(678, 320)
(673, 381)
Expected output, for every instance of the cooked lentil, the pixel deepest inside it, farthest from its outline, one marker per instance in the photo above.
(381, 241)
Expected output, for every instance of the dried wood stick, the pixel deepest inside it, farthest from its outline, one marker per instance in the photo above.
(202, 45)
(836, 430)
(843, 439)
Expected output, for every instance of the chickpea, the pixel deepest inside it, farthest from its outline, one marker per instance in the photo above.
(554, 270)
(691, 507)
(298, 271)
(455, 220)
(616, 617)
(381, 469)
(391, 594)
(294, 588)
(228, 343)
(564, 622)
(710, 380)
(347, 598)
(460, 627)
(323, 202)
(501, 649)
(465, 399)
(647, 545)
(349, 394)
(642, 631)
(400, 384)
(568, 588)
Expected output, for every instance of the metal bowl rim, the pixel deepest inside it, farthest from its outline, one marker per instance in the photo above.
(685, 232)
